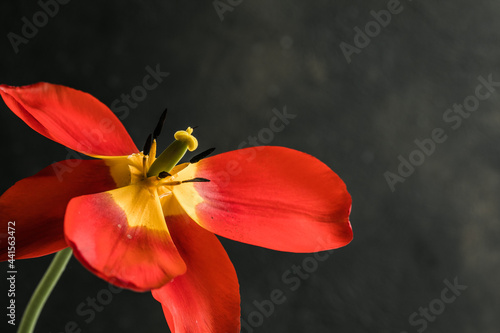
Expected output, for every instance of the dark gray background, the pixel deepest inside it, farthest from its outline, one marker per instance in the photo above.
(227, 76)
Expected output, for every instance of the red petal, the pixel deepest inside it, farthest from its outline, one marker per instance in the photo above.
(70, 117)
(121, 236)
(206, 298)
(37, 204)
(272, 197)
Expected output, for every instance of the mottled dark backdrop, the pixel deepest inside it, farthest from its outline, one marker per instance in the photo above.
(361, 99)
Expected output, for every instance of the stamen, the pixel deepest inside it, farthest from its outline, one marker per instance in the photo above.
(164, 174)
(171, 183)
(196, 180)
(159, 126)
(179, 182)
(202, 155)
(144, 164)
(147, 145)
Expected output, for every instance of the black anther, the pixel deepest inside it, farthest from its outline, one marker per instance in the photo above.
(202, 155)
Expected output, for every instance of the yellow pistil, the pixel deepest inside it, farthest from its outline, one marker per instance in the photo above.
(185, 136)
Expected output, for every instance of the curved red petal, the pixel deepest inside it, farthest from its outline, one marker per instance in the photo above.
(206, 298)
(272, 197)
(37, 204)
(121, 236)
(70, 117)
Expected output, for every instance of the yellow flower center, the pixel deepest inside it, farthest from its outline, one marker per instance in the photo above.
(165, 173)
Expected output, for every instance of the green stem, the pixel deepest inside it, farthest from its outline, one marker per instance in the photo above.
(43, 291)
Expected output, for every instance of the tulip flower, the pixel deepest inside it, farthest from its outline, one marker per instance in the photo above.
(146, 223)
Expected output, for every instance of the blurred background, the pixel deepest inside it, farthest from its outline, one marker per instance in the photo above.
(364, 80)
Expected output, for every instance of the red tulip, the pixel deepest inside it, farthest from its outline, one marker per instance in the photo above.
(144, 223)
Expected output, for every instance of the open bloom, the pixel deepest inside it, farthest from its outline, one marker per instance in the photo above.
(145, 223)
